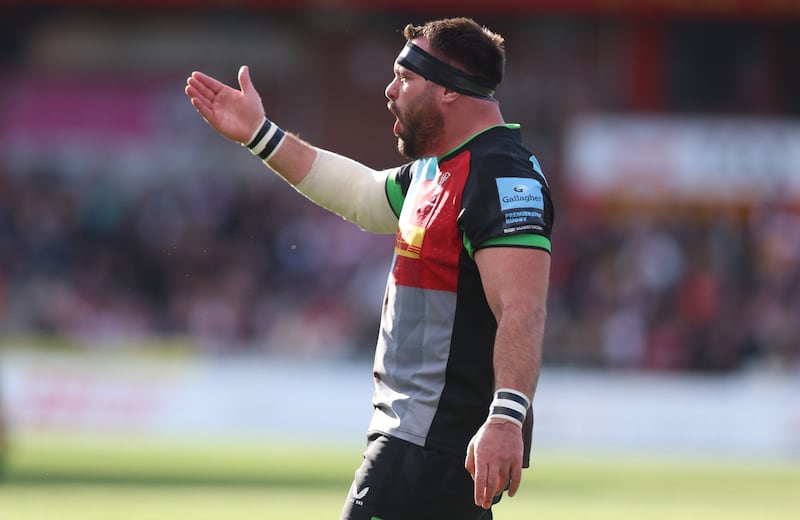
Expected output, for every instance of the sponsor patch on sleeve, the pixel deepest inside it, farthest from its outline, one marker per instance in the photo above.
(522, 204)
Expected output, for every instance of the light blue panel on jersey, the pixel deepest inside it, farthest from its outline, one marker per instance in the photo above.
(520, 193)
(425, 169)
(537, 167)
(430, 166)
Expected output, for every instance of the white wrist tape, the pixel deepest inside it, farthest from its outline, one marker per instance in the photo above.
(266, 140)
(509, 404)
(350, 189)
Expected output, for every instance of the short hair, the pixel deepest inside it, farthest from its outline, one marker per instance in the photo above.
(463, 43)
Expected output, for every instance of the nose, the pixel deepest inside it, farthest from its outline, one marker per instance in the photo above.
(391, 90)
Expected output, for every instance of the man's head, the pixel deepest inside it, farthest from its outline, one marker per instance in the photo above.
(442, 61)
(475, 52)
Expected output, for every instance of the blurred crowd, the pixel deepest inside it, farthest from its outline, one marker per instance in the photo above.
(677, 291)
(242, 265)
(227, 264)
(149, 225)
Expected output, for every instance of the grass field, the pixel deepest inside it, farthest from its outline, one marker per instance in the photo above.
(56, 479)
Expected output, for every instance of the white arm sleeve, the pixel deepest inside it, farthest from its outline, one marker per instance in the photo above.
(350, 189)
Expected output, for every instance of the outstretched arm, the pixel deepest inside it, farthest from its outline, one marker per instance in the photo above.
(515, 281)
(342, 185)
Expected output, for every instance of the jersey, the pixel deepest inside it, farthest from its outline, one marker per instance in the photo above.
(433, 368)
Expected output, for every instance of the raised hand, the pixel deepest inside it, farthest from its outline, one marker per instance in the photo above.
(235, 114)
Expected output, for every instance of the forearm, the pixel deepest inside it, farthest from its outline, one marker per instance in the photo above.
(515, 281)
(346, 187)
(293, 159)
(518, 350)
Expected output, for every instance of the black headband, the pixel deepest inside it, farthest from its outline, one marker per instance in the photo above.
(433, 69)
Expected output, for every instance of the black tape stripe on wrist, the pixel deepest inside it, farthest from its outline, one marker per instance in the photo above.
(260, 134)
(433, 69)
(272, 143)
(512, 397)
(508, 412)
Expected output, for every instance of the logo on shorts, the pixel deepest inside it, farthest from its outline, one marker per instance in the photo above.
(357, 495)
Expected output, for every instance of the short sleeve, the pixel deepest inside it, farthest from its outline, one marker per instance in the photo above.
(506, 202)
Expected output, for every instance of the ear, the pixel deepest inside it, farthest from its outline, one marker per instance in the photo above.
(449, 96)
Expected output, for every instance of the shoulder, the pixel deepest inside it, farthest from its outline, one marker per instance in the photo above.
(500, 156)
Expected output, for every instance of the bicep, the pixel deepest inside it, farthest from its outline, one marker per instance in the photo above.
(514, 278)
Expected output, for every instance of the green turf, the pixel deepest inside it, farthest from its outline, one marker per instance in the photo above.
(58, 479)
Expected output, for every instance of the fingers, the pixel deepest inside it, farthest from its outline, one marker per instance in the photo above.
(200, 102)
(202, 91)
(488, 484)
(478, 476)
(205, 83)
(493, 488)
(491, 480)
(198, 89)
(515, 479)
(203, 108)
(482, 496)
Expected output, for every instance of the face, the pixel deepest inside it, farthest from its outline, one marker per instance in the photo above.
(412, 100)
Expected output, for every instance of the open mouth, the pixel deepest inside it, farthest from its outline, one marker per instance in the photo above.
(396, 126)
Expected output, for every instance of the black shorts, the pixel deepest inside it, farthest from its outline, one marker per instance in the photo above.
(402, 481)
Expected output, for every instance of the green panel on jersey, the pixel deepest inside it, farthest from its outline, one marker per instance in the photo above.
(536, 241)
(394, 192)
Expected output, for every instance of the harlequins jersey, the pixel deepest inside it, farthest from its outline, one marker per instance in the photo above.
(433, 367)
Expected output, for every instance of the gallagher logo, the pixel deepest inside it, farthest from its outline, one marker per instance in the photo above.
(520, 193)
(536, 199)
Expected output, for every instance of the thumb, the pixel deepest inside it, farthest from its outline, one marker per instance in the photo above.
(245, 84)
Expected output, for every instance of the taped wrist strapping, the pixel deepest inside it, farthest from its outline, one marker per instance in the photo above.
(266, 140)
(510, 405)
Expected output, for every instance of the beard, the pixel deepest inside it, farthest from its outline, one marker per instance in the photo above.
(422, 124)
